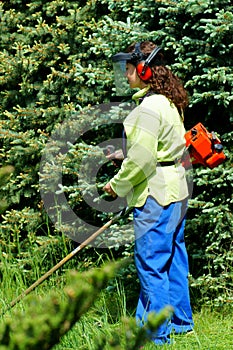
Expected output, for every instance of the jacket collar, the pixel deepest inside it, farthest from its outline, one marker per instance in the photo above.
(140, 95)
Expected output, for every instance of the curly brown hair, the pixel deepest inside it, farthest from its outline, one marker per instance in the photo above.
(163, 80)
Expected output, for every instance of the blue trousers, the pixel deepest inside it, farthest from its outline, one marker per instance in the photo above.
(162, 266)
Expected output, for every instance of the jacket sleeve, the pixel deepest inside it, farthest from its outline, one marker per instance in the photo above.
(141, 126)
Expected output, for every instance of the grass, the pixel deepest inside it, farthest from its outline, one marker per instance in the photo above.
(213, 327)
(213, 331)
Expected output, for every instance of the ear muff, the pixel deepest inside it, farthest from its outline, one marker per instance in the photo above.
(144, 72)
(143, 67)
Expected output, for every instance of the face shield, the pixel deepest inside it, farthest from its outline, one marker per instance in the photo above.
(119, 67)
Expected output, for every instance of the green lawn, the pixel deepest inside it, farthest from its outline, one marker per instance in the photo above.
(213, 326)
(213, 330)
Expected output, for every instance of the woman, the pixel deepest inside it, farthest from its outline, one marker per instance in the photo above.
(153, 180)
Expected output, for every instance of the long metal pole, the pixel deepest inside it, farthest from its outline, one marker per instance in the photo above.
(64, 260)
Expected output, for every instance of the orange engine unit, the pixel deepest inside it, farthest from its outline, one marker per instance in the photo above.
(204, 147)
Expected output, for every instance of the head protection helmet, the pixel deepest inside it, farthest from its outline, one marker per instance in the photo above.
(140, 60)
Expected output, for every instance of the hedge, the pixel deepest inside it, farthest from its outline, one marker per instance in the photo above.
(55, 65)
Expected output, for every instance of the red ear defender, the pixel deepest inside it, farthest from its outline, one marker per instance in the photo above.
(144, 72)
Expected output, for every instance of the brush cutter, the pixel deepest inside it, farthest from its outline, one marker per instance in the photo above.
(68, 257)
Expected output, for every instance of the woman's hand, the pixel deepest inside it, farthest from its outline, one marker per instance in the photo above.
(116, 157)
(107, 188)
(118, 154)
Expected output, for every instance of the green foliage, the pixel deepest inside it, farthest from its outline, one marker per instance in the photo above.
(55, 61)
(46, 320)
(208, 332)
(209, 229)
(132, 336)
(5, 173)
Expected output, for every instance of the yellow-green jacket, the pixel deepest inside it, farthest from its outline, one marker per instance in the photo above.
(155, 133)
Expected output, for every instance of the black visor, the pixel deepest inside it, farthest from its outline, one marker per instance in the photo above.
(119, 67)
